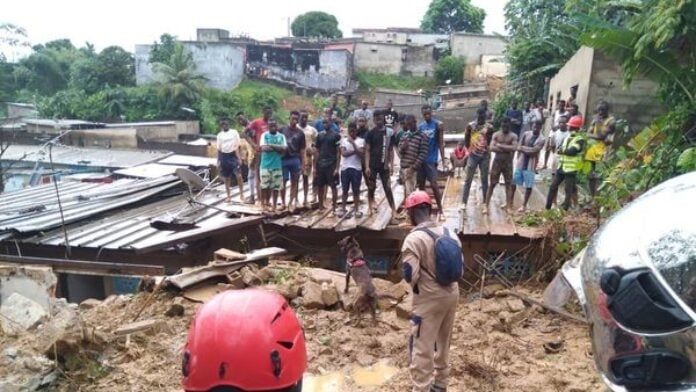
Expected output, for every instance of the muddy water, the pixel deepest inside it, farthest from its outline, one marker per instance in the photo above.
(341, 381)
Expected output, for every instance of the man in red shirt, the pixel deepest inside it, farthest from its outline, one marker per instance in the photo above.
(256, 128)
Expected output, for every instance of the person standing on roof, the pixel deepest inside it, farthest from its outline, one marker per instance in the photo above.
(570, 159)
(379, 152)
(413, 146)
(435, 132)
(528, 150)
(310, 155)
(257, 128)
(516, 118)
(228, 158)
(352, 150)
(292, 160)
(476, 139)
(322, 124)
(244, 340)
(560, 112)
(273, 146)
(504, 145)
(432, 264)
(601, 134)
(327, 164)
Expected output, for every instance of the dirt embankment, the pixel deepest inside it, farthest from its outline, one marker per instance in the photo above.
(499, 344)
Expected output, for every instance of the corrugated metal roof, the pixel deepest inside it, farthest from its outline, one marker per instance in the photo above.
(93, 157)
(148, 170)
(36, 209)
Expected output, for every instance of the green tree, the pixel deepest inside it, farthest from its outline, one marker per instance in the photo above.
(316, 24)
(116, 67)
(162, 51)
(542, 39)
(450, 68)
(450, 16)
(178, 80)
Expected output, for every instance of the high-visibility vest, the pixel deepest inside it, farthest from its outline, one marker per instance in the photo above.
(568, 163)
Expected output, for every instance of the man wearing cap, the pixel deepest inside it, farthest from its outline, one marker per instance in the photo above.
(434, 305)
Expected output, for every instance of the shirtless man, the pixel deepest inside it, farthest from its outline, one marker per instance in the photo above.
(503, 144)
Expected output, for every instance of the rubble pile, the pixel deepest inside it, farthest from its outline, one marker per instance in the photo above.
(135, 342)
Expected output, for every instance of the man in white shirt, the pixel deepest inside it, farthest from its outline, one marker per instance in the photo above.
(228, 158)
(363, 112)
(352, 149)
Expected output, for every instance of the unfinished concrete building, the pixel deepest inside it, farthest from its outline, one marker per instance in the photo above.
(395, 59)
(590, 76)
(474, 48)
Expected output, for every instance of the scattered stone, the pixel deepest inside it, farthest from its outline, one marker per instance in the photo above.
(386, 303)
(10, 353)
(312, 295)
(515, 304)
(250, 276)
(329, 295)
(326, 351)
(405, 308)
(491, 306)
(137, 326)
(175, 310)
(89, 303)
(365, 359)
(19, 314)
(235, 279)
(553, 347)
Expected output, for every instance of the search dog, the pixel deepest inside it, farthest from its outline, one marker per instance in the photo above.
(356, 266)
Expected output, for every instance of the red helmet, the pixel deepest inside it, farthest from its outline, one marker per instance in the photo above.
(575, 122)
(247, 339)
(417, 198)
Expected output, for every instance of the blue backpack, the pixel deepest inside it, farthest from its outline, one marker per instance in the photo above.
(449, 261)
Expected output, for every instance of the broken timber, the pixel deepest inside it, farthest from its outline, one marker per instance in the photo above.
(88, 267)
(199, 274)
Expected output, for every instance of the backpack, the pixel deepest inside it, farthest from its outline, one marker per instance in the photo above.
(449, 261)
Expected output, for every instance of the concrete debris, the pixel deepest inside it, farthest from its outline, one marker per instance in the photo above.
(312, 295)
(10, 353)
(250, 276)
(405, 308)
(491, 306)
(19, 313)
(329, 295)
(515, 304)
(138, 326)
(89, 303)
(222, 255)
(176, 310)
(490, 290)
(33, 282)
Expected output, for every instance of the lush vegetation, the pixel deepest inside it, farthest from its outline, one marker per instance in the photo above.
(450, 68)
(370, 81)
(316, 24)
(451, 16)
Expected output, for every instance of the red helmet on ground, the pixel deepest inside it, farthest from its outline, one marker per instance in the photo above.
(575, 122)
(417, 198)
(247, 339)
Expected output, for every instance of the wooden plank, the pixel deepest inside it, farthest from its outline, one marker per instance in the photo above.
(88, 267)
(223, 254)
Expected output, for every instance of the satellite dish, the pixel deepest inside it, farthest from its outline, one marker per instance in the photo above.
(190, 178)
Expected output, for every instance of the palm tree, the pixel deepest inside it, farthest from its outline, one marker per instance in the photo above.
(178, 79)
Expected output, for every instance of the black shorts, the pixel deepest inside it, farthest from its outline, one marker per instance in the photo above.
(384, 175)
(229, 164)
(351, 178)
(325, 176)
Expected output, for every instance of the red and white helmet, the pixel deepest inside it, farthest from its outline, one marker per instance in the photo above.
(247, 339)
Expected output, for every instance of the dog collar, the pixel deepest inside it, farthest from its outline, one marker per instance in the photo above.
(357, 263)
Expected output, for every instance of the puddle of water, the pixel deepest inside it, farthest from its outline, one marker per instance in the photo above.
(329, 382)
(374, 375)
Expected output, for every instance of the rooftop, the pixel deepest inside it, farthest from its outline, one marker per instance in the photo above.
(92, 157)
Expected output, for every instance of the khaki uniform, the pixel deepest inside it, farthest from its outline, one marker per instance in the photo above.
(434, 308)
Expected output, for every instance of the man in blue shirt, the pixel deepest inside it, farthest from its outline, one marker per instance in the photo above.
(435, 132)
(515, 116)
(328, 114)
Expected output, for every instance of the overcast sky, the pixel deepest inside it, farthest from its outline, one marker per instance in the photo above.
(130, 22)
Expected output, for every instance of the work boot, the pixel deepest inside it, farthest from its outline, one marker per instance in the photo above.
(435, 388)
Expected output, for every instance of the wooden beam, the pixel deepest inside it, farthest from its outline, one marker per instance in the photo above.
(87, 267)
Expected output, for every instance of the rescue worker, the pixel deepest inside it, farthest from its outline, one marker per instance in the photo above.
(600, 133)
(570, 161)
(434, 305)
(244, 340)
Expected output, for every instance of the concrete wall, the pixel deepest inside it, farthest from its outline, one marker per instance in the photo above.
(33, 282)
(104, 138)
(473, 46)
(221, 63)
(378, 58)
(636, 104)
(398, 98)
(211, 35)
(576, 72)
(598, 77)
(334, 73)
(394, 59)
(21, 111)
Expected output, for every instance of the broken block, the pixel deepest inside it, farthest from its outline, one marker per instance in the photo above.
(20, 313)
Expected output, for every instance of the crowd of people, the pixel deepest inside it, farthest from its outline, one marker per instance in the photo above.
(324, 155)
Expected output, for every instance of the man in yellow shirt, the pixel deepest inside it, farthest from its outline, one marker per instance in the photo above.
(600, 134)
